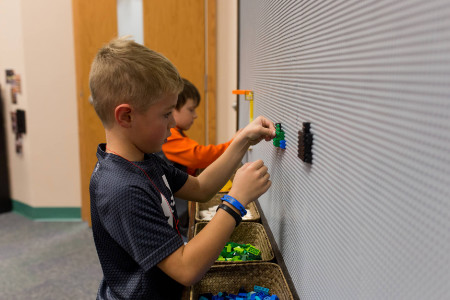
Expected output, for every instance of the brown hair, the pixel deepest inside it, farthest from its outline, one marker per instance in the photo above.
(124, 71)
(189, 92)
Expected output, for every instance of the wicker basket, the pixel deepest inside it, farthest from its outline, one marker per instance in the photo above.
(216, 201)
(247, 233)
(229, 278)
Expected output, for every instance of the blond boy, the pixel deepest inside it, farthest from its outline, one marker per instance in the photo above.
(134, 219)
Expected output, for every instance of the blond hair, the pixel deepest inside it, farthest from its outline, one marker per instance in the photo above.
(124, 71)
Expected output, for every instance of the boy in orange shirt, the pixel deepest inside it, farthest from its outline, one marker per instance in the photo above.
(185, 153)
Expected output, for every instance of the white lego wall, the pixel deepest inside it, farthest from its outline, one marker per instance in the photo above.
(370, 218)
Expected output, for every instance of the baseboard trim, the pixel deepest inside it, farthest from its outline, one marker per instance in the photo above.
(66, 214)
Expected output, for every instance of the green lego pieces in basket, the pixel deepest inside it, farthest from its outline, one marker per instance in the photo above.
(238, 249)
(239, 252)
(253, 250)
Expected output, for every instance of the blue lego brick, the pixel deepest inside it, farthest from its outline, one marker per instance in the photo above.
(261, 289)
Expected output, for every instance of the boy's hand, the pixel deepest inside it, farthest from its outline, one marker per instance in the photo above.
(261, 128)
(250, 182)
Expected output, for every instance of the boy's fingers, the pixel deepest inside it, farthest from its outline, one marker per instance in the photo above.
(268, 133)
(258, 164)
(264, 170)
(245, 166)
(268, 124)
(267, 186)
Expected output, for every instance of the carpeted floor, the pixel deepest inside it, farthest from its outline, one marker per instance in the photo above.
(47, 260)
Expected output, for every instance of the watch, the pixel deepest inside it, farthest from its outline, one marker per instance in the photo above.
(229, 210)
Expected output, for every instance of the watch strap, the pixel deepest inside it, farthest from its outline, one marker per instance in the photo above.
(229, 210)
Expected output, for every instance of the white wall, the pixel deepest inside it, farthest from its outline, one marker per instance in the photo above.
(226, 69)
(370, 218)
(12, 57)
(38, 45)
(130, 19)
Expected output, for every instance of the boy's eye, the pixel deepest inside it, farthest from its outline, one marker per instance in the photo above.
(167, 115)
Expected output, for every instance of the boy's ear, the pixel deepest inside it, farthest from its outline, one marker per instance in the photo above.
(122, 113)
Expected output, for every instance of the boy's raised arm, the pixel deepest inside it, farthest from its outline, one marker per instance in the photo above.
(209, 182)
(190, 262)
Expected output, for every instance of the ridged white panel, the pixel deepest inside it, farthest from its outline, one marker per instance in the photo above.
(370, 218)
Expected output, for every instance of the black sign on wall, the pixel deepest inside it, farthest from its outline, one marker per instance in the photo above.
(5, 200)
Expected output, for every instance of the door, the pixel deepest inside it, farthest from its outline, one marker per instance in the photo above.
(95, 23)
(185, 32)
(177, 29)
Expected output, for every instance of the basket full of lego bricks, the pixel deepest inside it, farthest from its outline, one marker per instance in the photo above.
(205, 211)
(232, 278)
(249, 233)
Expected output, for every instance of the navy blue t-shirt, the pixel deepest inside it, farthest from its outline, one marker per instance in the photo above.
(134, 225)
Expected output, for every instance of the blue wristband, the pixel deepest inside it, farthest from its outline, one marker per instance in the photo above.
(235, 203)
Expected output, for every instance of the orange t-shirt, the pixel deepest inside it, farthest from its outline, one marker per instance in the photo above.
(187, 152)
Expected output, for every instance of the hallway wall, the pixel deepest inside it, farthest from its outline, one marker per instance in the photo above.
(38, 45)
